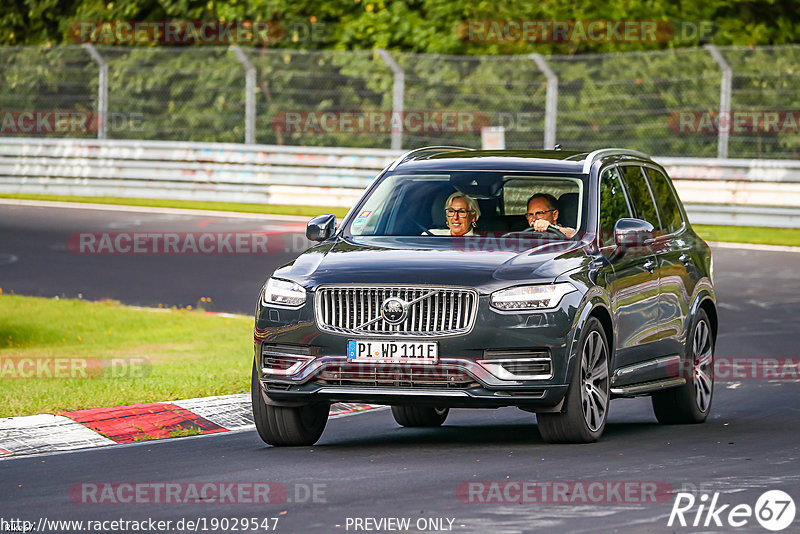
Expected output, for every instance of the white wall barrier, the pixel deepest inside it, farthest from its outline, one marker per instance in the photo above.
(188, 171)
(739, 192)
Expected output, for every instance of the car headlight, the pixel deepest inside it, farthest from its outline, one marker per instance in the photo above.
(540, 297)
(283, 292)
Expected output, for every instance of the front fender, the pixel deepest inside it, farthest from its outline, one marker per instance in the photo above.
(594, 300)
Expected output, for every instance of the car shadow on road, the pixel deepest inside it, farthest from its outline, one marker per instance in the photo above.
(486, 434)
(626, 430)
(444, 435)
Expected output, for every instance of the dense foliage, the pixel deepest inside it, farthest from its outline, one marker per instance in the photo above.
(324, 61)
(430, 26)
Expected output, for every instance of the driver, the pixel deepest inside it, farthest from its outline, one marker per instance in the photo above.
(543, 213)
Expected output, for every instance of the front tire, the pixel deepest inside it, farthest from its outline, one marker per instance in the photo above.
(284, 427)
(419, 416)
(585, 411)
(691, 402)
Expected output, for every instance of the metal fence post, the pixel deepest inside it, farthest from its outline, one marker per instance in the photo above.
(397, 96)
(102, 89)
(724, 101)
(551, 101)
(249, 97)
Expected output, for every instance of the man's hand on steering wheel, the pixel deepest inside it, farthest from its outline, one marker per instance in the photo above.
(524, 233)
(541, 225)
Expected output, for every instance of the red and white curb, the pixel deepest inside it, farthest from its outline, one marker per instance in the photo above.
(97, 427)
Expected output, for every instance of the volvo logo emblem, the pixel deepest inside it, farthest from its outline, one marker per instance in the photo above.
(394, 310)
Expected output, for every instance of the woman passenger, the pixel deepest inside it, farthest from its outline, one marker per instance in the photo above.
(461, 212)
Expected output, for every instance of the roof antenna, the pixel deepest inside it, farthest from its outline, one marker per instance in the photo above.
(557, 147)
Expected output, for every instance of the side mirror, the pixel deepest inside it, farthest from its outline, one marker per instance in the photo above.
(321, 227)
(631, 233)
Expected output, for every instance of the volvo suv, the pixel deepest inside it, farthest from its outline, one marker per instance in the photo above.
(401, 304)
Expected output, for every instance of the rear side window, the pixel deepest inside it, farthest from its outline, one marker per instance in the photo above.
(639, 193)
(613, 205)
(668, 209)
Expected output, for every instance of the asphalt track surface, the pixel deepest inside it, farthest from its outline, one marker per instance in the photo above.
(365, 466)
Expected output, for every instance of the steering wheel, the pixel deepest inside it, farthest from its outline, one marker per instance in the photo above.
(418, 225)
(550, 230)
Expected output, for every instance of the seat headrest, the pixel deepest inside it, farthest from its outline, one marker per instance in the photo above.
(568, 210)
(438, 218)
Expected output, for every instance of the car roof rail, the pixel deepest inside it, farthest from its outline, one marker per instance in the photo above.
(424, 151)
(597, 154)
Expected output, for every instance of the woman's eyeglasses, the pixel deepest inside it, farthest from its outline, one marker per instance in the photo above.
(461, 213)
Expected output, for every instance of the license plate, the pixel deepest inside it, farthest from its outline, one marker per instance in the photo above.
(392, 351)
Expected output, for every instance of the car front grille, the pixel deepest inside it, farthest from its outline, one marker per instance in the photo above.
(429, 311)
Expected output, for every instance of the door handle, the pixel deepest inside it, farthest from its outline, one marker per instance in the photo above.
(685, 259)
(650, 265)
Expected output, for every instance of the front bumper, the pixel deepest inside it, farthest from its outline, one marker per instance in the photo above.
(449, 382)
(315, 367)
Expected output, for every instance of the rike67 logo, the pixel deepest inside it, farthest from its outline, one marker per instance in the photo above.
(774, 510)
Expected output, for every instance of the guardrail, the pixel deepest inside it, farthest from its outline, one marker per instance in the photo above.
(715, 191)
(737, 191)
(188, 171)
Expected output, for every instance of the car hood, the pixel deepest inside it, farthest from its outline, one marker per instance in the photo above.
(472, 262)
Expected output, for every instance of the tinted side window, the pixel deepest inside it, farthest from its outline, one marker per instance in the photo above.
(639, 193)
(613, 205)
(668, 209)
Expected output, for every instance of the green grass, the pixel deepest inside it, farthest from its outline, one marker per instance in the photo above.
(181, 432)
(240, 207)
(749, 234)
(160, 355)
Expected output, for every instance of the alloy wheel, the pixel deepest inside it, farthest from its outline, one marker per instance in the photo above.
(594, 381)
(702, 366)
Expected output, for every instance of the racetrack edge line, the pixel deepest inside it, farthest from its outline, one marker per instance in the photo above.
(146, 209)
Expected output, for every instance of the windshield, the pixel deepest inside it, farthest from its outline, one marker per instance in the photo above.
(497, 202)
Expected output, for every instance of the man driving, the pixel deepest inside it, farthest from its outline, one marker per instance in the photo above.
(543, 213)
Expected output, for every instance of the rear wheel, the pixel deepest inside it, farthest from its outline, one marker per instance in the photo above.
(281, 426)
(691, 402)
(419, 416)
(585, 411)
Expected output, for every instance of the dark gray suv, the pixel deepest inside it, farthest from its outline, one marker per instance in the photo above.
(394, 306)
